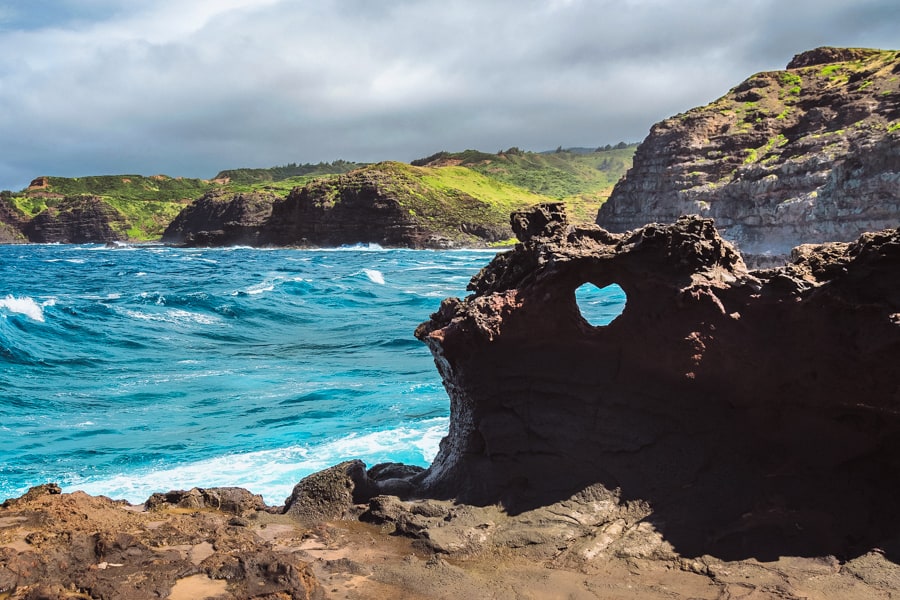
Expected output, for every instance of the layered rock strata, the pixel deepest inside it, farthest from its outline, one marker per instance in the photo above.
(384, 204)
(806, 155)
(77, 220)
(756, 413)
(221, 219)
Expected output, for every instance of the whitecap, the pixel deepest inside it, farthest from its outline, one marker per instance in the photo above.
(259, 288)
(24, 306)
(374, 275)
(172, 316)
(273, 473)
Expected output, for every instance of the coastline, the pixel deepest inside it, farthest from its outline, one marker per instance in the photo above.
(581, 461)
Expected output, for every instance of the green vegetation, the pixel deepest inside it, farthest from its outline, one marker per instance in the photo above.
(894, 127)
(829, 70)
(583, 180)
(471, 187)
(291, 171)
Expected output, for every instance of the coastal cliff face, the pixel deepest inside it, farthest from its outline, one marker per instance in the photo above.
(806, 155)
(221, 219)
(11, 223)
(357, 208)
(755, 413)
(78, 220)
(387, 204)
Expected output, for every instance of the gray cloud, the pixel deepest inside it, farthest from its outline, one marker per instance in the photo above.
(190, 87)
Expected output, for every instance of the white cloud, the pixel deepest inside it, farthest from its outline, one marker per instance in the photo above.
(189, 87)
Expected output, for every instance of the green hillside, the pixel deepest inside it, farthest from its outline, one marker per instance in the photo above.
(584, 180)
(447, 184)
(289, 172)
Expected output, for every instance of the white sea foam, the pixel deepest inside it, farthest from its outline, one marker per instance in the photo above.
(374, 275)
(172, 316)
(371, 247)
(273, 473)
(24, 306)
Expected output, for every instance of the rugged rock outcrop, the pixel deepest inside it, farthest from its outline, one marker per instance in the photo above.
(11, 223)
(77, 220)
(73, 546)
(755, 413)
(386, 204)
(806, 155)
(221, 219)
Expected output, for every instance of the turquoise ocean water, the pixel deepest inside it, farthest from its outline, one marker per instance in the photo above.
(131, 370)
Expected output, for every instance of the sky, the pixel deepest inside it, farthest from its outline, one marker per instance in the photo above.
(191, 87)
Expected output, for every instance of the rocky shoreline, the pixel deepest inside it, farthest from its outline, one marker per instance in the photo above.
(809, 154)
(733, 434)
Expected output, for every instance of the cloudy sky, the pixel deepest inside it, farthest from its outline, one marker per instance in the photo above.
(190, 87)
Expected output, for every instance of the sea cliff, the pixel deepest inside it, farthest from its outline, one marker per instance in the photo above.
(806, 155)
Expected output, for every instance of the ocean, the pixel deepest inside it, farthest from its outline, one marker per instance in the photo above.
(138, 369)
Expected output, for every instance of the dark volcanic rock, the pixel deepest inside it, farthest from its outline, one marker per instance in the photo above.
(353, 211)
(387, 204)
(11, 223)
(221, 219)
(336, 492)
(756, 413)
(806, 155)
(77, 220)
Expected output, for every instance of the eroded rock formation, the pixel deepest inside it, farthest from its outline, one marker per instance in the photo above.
(77, 220)
(756, 413)
(221, 219)
(73, 546)
(388, 204)
(806, 155)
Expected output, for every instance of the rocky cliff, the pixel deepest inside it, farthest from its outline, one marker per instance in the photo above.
(755, 413)
(11, 223)
(221, 219)
(806, 155)
(78, 220)
(391, 204)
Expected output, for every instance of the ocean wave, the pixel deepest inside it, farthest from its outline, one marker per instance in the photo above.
(26, 306)
(374, 275)
(176, 316)
(273, 473)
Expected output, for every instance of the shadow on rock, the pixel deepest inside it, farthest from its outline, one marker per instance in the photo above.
(755, 413)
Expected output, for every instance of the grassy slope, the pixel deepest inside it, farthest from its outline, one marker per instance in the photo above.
(446, 198)
(148, 203)
(470, 187)
(779, 98)
(583, 180)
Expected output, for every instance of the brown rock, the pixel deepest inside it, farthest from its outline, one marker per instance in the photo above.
(221, 219)
(55, 546)
(754, 412)
(806, 155)
(77, 220)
